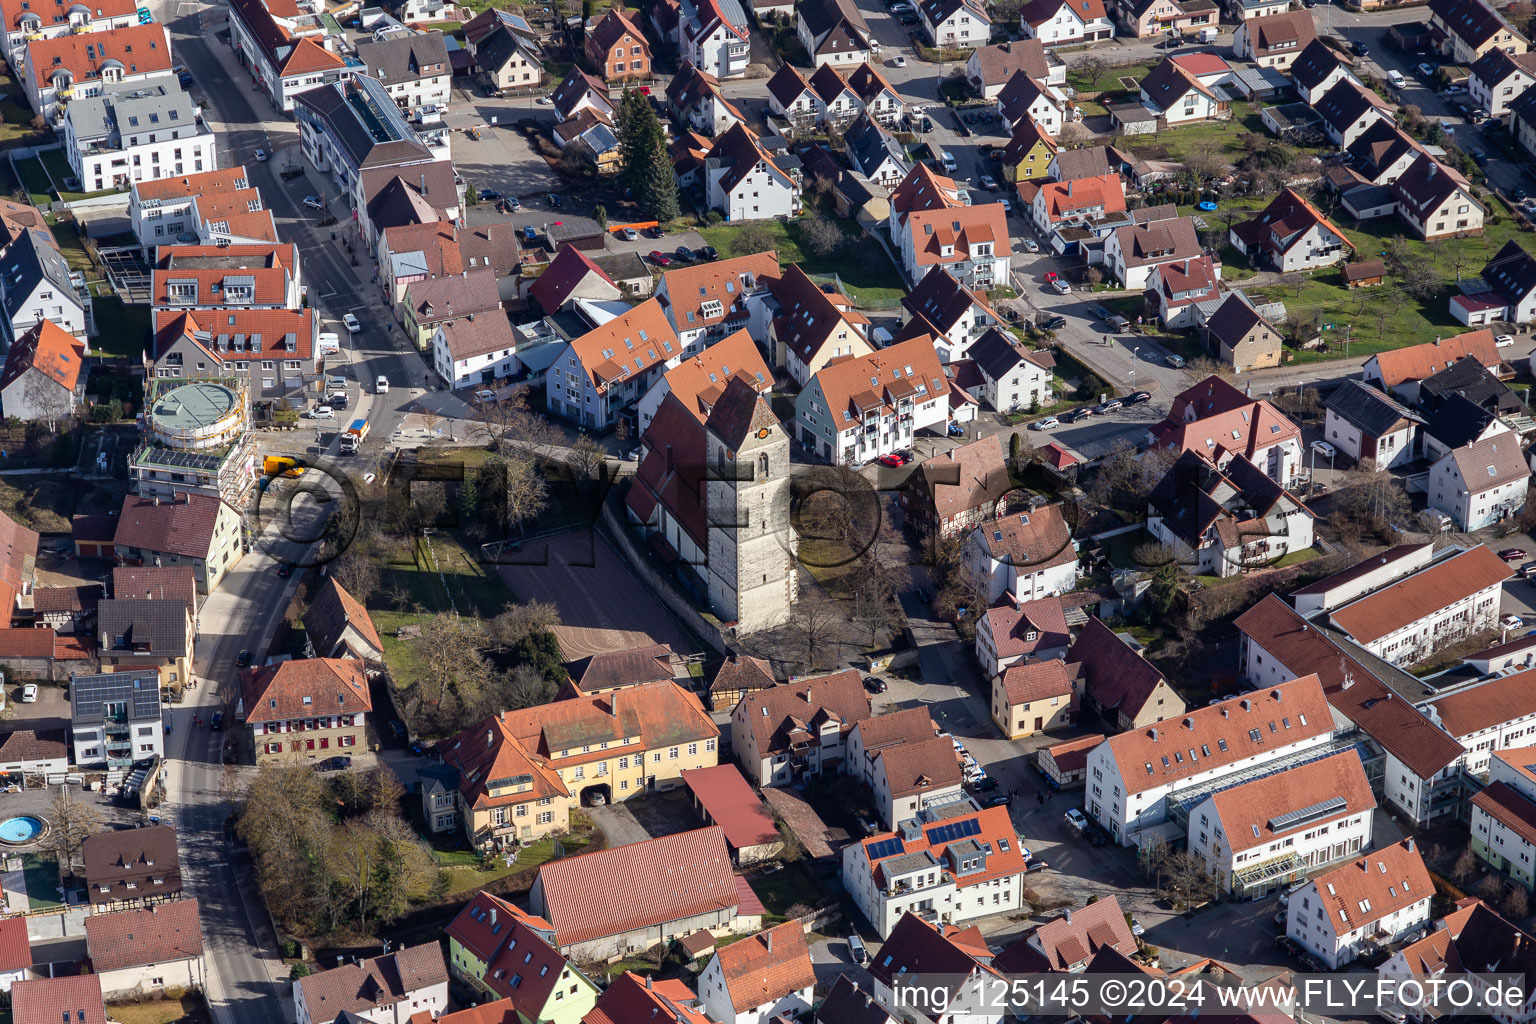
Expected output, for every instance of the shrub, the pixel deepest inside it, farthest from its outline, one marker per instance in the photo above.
(713, 217)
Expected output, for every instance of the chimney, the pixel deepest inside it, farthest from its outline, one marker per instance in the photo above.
(1409, 844)
(1068, 915)
(647, 981)
(493, 917)
(157, 499)
(423, 182)
(669, 459)
(768, 935)
(501, 716)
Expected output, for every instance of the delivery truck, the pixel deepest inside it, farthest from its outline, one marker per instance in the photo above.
(352, 440)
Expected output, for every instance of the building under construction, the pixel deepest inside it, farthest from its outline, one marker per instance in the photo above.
(197, 438)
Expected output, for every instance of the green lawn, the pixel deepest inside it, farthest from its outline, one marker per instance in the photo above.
(35, 180)
(870, 278)
(124, 329)
(1220, 137)
(42, 875)
(57, 165)
(467, 878)
(67, 233)
(16, 115)
(783, 889)
(1109, 78)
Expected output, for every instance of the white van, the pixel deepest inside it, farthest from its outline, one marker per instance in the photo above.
(1396, 78)
(1208, 35)
(329, 344)
(948, 160)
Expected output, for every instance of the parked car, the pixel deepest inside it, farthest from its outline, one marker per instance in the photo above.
(988, 183)
(899, 61)
(999, 800)
(334, 764)
(1176, 361)
(530, 233)
(1045, 424)
(1504, 341)
(511, 204)
(1324, 449)
(489, 195)
(1076, 820)
(29, 693)
(353, 325)
(893, 459)
(1052, 323)
(857, 950)
(660, 258)
(1073, 415)
(1108, 405)
(874, 684)
(1137, 397)
(1512, 554)
(1118, 323)
(1061, 287)
(1035, 865)
(709, 252)
(1511, 622)
(986, 785)
(323, 412)
(243, 659)
(314, 203)
(1359, 49)
(686, 254)
(654, 231)
(1528, 570)
(1030, 245)
(628, 234)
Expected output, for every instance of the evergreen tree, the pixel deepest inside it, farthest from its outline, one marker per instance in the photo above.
(658, 188)
(469, 500)
(632, 140)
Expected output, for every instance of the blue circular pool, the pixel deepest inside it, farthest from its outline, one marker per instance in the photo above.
(20, 830)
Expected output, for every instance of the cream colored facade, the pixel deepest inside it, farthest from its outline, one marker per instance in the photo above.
(309, 738)
(532, 818)
(1029, 717)
(640, 770)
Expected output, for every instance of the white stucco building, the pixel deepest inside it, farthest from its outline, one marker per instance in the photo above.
(1367, 903)
(136, 132)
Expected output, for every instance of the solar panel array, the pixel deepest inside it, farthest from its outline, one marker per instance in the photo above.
(944, 834)
(887, 848)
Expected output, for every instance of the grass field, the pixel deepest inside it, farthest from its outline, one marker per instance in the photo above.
(463, 878)
(16, 115)
(42, 875)
(1224, 138)
(1108, 79)
(34, 178)
(874, 280)
(783, 889)
(45, 501)
(189, 1009)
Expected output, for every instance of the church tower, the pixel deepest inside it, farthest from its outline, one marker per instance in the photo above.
(752, 567)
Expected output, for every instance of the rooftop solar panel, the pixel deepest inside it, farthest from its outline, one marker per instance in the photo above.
(945, 834)
(886, 848)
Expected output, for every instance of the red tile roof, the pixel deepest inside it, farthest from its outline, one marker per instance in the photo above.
(1078, 935)
(26, 643)
(15, 949)
(961, 228)
(227, 181)
(660, 714)
(1213, 418)
(1115, 676)
(135, 49)
(305, 688)
(768, 966)
(216, 331)
(1391, 878)
(1012, 623)
(1072, 756)
(1036, 681)
(995, 829)
(672, 470)
(923, 766)
(730, 802)
(163, 933)
(627, 345)
(1221, 734)
(1481, 707)
(1248, 812)
(1416, 362)
(360, 987)
(699, 382)
(723, 283)
(1391, 608)
(183, 526)
(18, 561)
(631, 1000)
(779, 711)
(1066, 198)
(49, 349)
(30, 745)
(1510, 808)
(846, 384)
(75, 997)
(567, 270)
(332, 610)
(520, 964)
(924, 189)
(14, 10)
(670, 878)
(488, 750)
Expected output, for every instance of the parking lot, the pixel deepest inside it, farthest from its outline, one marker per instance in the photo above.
(49, 711)
(504, 160)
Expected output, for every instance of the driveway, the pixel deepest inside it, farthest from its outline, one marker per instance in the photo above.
(620, 827)
(502, 159)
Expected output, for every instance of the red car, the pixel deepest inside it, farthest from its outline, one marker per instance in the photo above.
(894, 459)
(660, 258)
(645, 90)
(1050, 275)
(1512, 554)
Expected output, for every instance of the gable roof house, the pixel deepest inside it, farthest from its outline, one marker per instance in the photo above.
(1183, 288)
(756, 980)
(506, 58)
(1274, 41)
(1349, 109)
(616, 49)
(132, 867)
(951, 313)
(695, 97)
(287, 56)
(416, 976)
(784, 732)
(1400, 370)
(990, 67)
(1243, 338)
(954, 493)
(43, 378)
(570, 276)
(1219, 422)
(1175, 96)
(1498, 78)
(971, 242)
(1012, 377)
(1028, 553)
(412, 68)
(1465, 30)
(80, 65)
(494, 789)
(1290, 234)
(1437, 202)
(505, 952)
(832, 32)
(714, 36)
(1035, 696)
(744, 181)
(37, 286)
(146, 951)
(700, 382)
(1133, 252)
(1381, 153)
(1075, 201)
(193, 529)
(1128, 691)
(836, 102)
(955, 23)
(880, 99)
(1480, 483)
(1013, 631)
(1222, 522)
(677, 884)
(578, 91)
(1364, 422)
(1147, 18)
(1511, 278)
(1068, 943)
(1023, 97)
(1029, 152)
(1055, 22)
(897, 391)
(305, 708)
(15, 952)
(874, 152)
(599, 375)
(812, 325)
(338, 626)
(1316, 69)
(50, 1000)
(1365, 904)
(791, 97)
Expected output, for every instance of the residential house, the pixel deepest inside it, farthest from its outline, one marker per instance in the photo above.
(43, 377)
(1058, 22)
(22, 23)
(1290, 234)
(874, 152)
(1027, 553)
(1461, 943)
(836, 102)
(1218, 421)
(1481, 483)
(791, 97)
(476, 349)
(134, 634)
(388, 989)
(1363, 422)
(788, 731)
(614, 670)
(305, 708)
(272, 351)
(505, 953)
(916, 945)
(38, 286)
(139, 953)
(681, 883)
(811, 325)
(1503, 823)
(1511, 276)
(1274, 41)
(580, 91)
(1420, 775)
(1349, 110)
(433, 302)
(115, 720)
(1498, 78)
(1317, 69)
(1436, 202)
(286, 54)
(955, 24)
(700, 382)
(15, 949)
(1381, 153)
(498, 792)
(730, 679)
(1465, 30)
(1033, 697)
(76, 66)
(570, 276)
(31, 752)
(923, 189)
(760, 978)
(695, 97)
(952, 314)
(212, 277)
(847, 1003)
(616, 50)
(881, 101)
(1242, 337)
(941, 863)
(631, 999)
(1267, 834)
(508, 60)
(130, 868)
(990, 67)
(1029, 152)
(744, 181)
(953, 493)
(833, 32)
(1135, 777)
(193, 529)
(1399, 371)
(1222, 522)
(857, 409)
(971, 242)
(1132, 252)
(1013, 378)
(45, 1000)
(1487, 717)
(1013, 632)
(714, 36)
(1069, 943)
(905, 762)
(413, 69)
(1127, 690)
(1062, 203)
(1024, 97)
(1367, 903)
(1176, 96)
(1146, 19)
(1181, 287)
(136, 131)
(338, 626)
(588, 384)
(163, 210)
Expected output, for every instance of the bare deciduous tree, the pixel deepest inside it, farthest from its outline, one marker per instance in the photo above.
(356, 573)
(817, 628)
(586, 458)
(73, 823)
(46, 398)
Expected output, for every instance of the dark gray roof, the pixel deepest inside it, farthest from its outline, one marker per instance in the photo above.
(1513, 270)
(139, 692)
(1368, 408)
(1457, 421)
(364, 121)
(869, 146)
(994, 354)
(128, 109)
(1315, 63)
(154, 626)
(501, 46)
(1470, 379)
(1343, 105)
(31, 260)
(405, 58)
(849, 1004)
(1087, 162)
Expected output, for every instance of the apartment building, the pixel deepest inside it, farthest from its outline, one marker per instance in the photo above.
(306, 709)
(858, 409)
(135, 132)
(1503, 822)
(1366, 904)
(783, 733)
